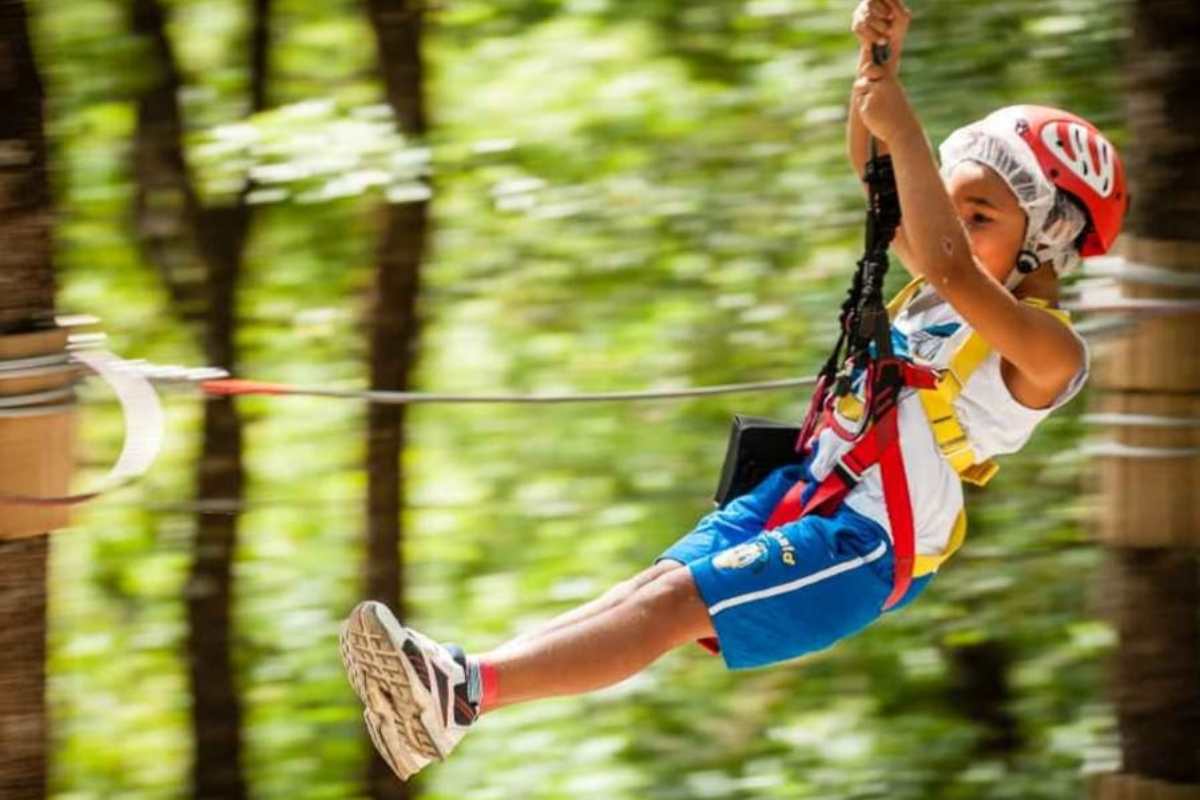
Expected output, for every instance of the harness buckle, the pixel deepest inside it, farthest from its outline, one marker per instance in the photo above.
(949, 382)
(958, 452)
(850, 476)
(980, 474)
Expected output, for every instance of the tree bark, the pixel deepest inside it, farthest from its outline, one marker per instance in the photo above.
(198, 252)
(1162, 73)
(23, 726)
(1155, 597)
(395, 331)
(217, 712)
(26, 274)
(26, 303)
(1151, 591)
(980, 691)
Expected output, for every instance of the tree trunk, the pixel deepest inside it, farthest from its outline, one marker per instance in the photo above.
(394, 332)
(1155, 594)
(26, 303)
(980, 691)
(23, 729)
(1164, 147)
(1151, 583)
(198, 252)
(26, 271)
(217, 712)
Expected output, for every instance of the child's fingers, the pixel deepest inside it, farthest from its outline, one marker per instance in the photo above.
(872, 72)
(880, 28)
(872, 37)
(863, 85)
(873, 25)
(881, 8)
(897, 7)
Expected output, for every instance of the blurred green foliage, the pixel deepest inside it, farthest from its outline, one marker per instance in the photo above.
(625, 195)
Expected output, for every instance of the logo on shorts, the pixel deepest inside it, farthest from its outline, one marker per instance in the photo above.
(787, 551)
(751, 554)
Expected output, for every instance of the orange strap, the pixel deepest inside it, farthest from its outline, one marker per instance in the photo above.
(236, 386)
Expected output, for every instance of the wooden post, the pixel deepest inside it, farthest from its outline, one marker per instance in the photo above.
(38, 449)
(1132, 787)
(1150, 507)
(1150, 525)
(26, 304)
(1155, 371)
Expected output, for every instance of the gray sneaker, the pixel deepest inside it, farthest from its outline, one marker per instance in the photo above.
(414, 689)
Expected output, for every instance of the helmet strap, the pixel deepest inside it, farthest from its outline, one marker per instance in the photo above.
(1013, 280)
(1027, 262)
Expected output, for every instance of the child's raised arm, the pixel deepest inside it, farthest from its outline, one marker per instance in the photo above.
(1044, 353)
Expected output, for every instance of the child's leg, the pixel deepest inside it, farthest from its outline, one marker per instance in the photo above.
(615, 596)
(741, 520)
(605, 647)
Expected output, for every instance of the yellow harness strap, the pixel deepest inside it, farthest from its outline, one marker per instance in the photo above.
(939, 402)
(947, 430)
(923, 565)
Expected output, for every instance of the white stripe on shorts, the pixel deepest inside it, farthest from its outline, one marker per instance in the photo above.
(799, 583)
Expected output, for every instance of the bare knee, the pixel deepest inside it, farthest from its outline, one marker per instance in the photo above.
(626, 589)
(655, 572)
(673, 602)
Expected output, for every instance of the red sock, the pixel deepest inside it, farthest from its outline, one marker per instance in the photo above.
(490, 685)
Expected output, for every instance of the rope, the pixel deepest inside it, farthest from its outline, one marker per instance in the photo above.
(1131, 451)
(33, 411)
(1134, 272)
(1139, 305)
(1140, 421)
(34, 372)
(36, 398)
(243, 387)
(12, 365)
(236, 386)
(233, 386)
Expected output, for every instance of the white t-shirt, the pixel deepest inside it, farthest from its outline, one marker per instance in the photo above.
(931, 331)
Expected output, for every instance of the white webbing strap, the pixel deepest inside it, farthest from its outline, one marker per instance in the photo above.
(144, 426)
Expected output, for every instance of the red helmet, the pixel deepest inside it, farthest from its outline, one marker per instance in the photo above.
(1079, 160)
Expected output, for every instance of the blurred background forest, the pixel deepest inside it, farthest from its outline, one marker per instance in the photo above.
(525, 196)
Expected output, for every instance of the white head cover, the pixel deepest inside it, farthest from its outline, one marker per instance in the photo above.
(1054, 222)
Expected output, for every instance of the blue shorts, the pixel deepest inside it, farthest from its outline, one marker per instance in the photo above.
(774, 595)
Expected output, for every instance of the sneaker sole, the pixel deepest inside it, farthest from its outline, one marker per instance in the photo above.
(383, 681)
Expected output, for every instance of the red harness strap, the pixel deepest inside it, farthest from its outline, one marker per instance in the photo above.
(789, 509)
(878, 444)
(899, 507)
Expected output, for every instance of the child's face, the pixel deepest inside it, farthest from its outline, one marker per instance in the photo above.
(994, 221)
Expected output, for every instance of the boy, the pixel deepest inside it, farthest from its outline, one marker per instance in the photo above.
(1020, 196)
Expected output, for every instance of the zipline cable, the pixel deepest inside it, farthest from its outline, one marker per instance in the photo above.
(235, 386)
